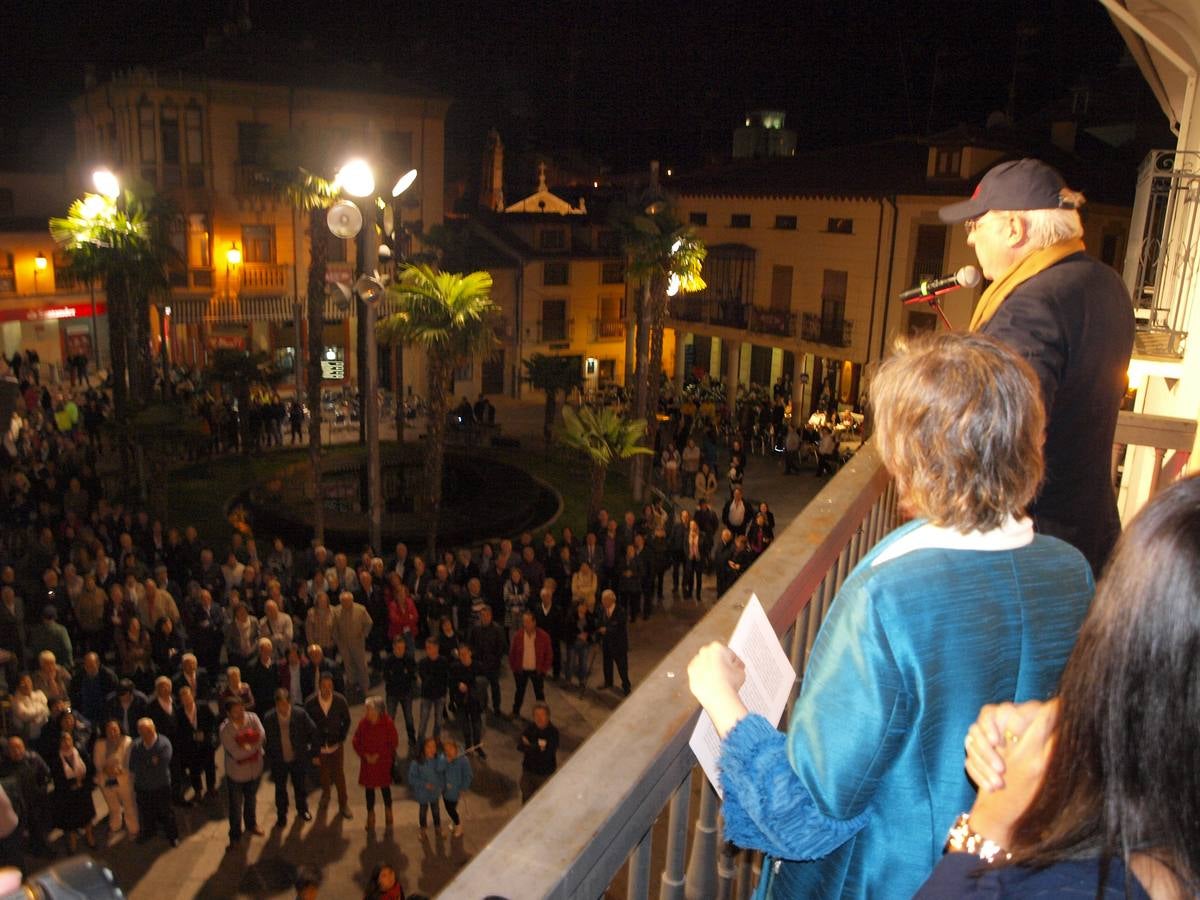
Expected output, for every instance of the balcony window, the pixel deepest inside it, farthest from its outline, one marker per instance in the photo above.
(8, 275)
(64, 280)
(335, 247)
(258, 243)
(698, 218)
(929, 260)
(739, 220)
(556, 273)
(554, 320)
(252, 143)
(785, 223)
(147, 145)
(612, 273)
(840, 226)
(553, 239)
(193, 127)
(948, 163)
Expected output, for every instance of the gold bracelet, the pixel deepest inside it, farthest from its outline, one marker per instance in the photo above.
(962, 839)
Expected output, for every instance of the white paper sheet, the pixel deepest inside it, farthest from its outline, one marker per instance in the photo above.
(769, 679)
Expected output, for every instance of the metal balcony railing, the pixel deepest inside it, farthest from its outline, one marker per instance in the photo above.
(610, 330)
(819, 330)
(251, 178)
(593, 833)
(780, 322)
(263, 276)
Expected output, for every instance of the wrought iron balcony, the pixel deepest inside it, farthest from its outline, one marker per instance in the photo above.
(252, 178)
(263, 276)
(779, 322)
(833, 332)
(609, 330)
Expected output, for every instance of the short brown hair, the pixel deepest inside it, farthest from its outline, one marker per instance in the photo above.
(959, 425)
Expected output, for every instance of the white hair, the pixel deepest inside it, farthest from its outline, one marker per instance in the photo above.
(1046, 227)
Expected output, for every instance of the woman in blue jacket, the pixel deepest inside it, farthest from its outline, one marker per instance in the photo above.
(427, 781)
(964, 606)
(457, 775)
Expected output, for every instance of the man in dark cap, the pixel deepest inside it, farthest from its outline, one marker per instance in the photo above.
(1071, 318)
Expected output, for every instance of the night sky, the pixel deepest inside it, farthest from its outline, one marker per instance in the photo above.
(614, 84)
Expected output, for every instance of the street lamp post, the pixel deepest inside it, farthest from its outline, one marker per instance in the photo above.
(357, 180)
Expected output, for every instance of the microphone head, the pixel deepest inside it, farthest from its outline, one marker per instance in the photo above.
(967, 276)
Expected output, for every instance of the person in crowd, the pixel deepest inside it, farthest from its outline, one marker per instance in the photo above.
(400, 680)
(196, 726)
(516, 599)
(580, 630)
(403, 619)
(447, 639)
(629, 584)
(690, 467)
(276, 626)
(291, 743)
(52, 679)
(110, 762)
(235, 688)
(468, 696)
(434, 671)
(192, 676)
(530, 657)
(457, 778)
(351, 626)
(263, 676)
(331, 714)
(736, 514)
(584, 584)
(312, 667)
(705, 482)
(50, 635)
(127, 706)
(31, 775)
(426, 781)
(539, 747)
(1069, 316)
(488, 647)
(1093, 792)
(612, 628)
(375, 741)
(870, 759)
(759, 535)
(241, 637)
(318, 624)
(242, 738)
(547, 616)
(30, 709)
(73, 806)
(384, 884)
(206, 630)
(91, 686)
(163, 711)
(150, 766)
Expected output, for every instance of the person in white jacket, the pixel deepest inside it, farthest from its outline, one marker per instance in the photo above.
(111, 758)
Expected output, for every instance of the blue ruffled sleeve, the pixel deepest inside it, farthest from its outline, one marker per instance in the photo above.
(766, 806)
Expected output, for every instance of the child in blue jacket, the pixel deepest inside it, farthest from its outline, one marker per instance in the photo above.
(457, 775)
(427, 781)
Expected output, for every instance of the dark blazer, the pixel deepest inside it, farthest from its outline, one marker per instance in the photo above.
(1073, 323)
(310, 675)
(263, 681)
(331, 728)
(303, 731)
(195, 745)
(137, 710)
(615, 638)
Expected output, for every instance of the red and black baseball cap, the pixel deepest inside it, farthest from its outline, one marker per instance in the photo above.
(1021, 184)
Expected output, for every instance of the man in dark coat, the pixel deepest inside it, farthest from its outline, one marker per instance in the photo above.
(488, 647)
(613, 628)
(1070, 317)
(331, 715)
(263, 676)
(291, 745)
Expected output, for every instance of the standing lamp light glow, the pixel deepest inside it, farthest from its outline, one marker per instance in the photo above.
(356, 178)
(39, 265)
(405, 182)
(233, 259)
(106, 183)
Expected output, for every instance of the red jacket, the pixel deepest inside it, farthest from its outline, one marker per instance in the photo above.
(402, 617)
(541, 641)
(382, 740)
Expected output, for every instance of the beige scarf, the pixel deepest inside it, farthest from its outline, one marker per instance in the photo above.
(1035, 263)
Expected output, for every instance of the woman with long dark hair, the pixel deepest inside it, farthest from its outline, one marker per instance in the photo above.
(1098, 791)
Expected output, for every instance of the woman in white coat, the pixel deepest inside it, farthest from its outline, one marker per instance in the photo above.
(111, 756)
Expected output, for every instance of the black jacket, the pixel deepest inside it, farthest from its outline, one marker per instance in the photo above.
(127, 719)
(303, 732)
(331, 728)
(488, 646)
(1073, 323)
(263, 681)
(195, 744)
(539, 761)
(615, 638)
(399, 676)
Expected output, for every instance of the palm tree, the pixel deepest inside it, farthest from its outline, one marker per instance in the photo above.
(666, 257)
(552, 374)
(451, 317)
(312, 195)
(604, 436)
(123, 243)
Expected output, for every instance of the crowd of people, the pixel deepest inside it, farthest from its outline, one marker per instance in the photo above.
(141, 659)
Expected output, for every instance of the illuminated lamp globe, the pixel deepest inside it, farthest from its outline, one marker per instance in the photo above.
(106, 183)
(673, 285)
(405, 182)
(233, 256)
(356, 178)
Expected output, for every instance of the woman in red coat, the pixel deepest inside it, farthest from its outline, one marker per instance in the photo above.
(402, 612)
(375, 742)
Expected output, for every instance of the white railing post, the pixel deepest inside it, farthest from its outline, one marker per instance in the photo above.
(673, 875)
(702, 866)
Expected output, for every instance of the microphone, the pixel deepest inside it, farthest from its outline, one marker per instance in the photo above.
(967, 276)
